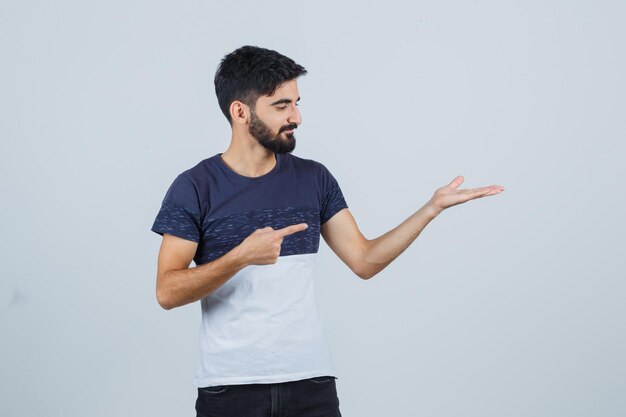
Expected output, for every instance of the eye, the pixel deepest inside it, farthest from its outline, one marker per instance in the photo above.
(282, 107)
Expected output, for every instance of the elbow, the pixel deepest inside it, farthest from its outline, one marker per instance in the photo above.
(166, 306)
(361, 268)
(364, 274)
(163, 296)
(164, 301)
(366, 277)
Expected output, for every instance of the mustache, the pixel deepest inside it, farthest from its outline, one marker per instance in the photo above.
(288, 127)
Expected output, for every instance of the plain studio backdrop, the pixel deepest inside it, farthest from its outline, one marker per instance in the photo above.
(510, 305)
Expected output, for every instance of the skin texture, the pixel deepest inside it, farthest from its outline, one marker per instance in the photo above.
(257, 134)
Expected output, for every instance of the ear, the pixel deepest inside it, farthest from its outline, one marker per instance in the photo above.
(239, 112)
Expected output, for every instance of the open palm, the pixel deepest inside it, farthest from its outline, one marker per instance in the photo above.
(449, 195)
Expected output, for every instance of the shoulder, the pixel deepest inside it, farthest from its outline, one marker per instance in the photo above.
(191, 186)
(197, 174)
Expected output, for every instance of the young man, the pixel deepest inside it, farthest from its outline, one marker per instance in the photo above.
(251, 219)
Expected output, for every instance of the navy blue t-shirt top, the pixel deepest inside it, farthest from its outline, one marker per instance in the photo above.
(218, 208)
(262, 325)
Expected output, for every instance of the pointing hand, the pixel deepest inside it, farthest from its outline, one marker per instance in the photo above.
(262, 247)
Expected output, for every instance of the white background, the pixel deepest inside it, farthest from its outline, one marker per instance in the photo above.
(510, 305)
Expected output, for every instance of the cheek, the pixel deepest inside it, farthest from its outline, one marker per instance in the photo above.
(277, 122)
(275, 119)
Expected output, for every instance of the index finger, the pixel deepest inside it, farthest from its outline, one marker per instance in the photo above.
(292, 229)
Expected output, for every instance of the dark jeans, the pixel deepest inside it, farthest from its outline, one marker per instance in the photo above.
(312, 397)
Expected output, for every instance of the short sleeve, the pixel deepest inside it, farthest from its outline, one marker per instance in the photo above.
(332, 197)
(180, 213)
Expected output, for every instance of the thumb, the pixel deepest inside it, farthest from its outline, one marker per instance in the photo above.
(456, 182)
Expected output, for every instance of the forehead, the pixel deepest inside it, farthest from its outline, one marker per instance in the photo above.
(287, 90)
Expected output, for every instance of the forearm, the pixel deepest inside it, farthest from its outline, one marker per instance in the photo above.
(183, 286)
(381, 251)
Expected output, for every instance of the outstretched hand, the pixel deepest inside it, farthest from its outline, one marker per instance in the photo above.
(449, 195)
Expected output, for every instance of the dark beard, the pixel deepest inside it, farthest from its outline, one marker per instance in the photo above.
(262, 133)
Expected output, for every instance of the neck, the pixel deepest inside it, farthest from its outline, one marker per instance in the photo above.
(249, 160)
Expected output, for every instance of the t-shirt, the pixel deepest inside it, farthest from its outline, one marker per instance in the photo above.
(262, 325)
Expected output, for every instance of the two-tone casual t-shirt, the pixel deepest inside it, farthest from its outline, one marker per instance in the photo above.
(262, 325)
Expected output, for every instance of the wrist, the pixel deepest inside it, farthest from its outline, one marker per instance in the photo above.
(431, 210)
(239, 257)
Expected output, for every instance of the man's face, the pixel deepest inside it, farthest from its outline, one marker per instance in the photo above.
(276, 117)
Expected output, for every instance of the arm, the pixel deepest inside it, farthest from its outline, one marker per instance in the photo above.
(365, 257)
(177, 284)
(384, 249)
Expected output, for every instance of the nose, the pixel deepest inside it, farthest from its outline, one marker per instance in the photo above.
(295, 117)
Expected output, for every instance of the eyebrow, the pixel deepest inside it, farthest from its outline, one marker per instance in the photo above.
(283, 100)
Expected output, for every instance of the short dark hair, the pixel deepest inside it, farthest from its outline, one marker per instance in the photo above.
(250, 72)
